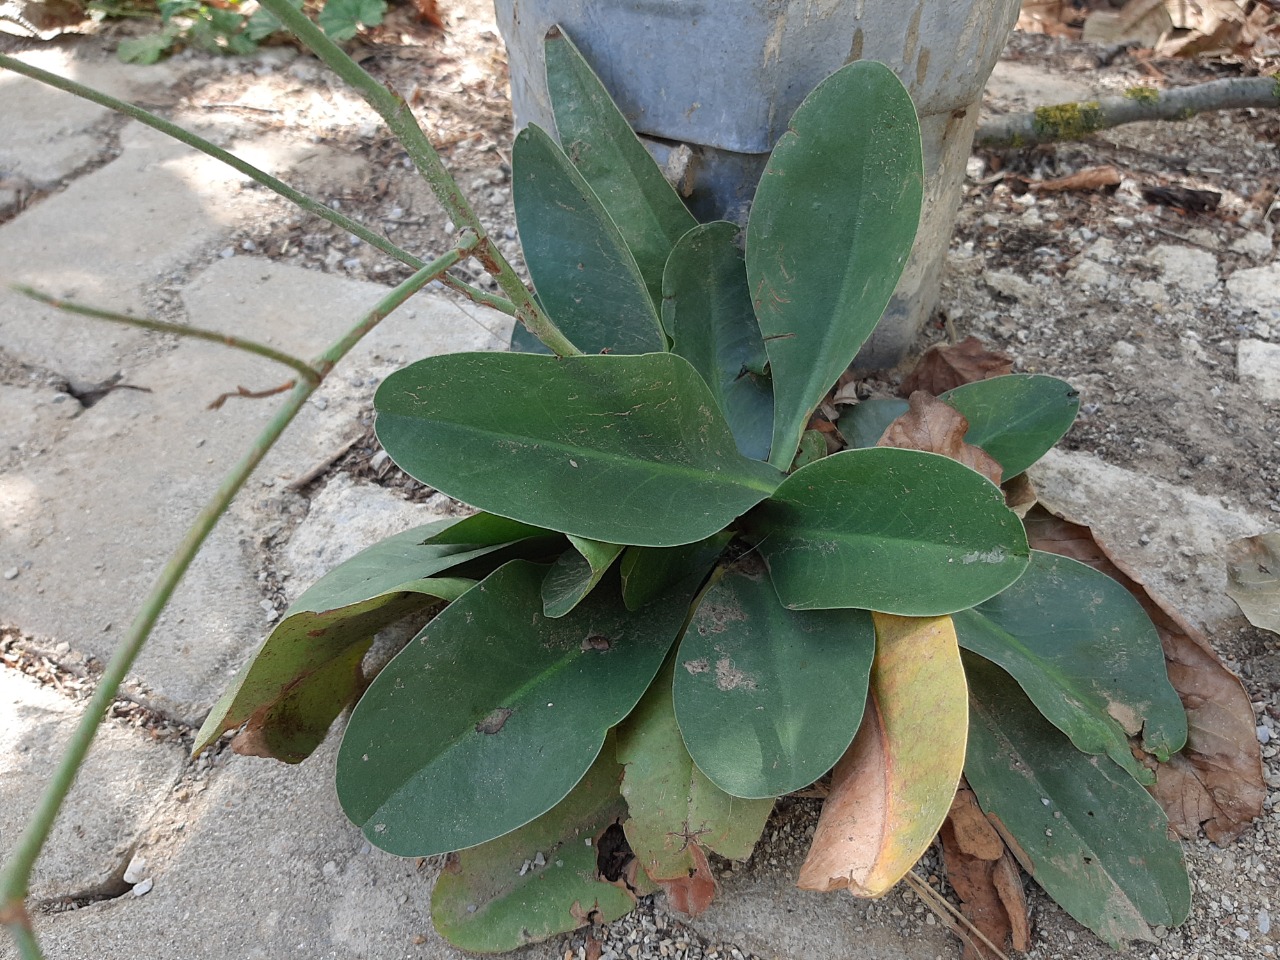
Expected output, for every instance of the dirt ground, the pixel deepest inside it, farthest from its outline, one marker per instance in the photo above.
(1121, 296)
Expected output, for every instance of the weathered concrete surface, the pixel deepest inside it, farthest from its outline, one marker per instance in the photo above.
(107, 236)
(1172, 537)
(1259, 361)
(1257, 288)
(125, 778)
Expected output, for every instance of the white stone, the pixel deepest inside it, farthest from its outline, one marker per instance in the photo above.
(1150, 291)
(1259, 362)
(1257, 288)
(1087, 273)
(1254, 244)
(1011, 285)
(1187, 267)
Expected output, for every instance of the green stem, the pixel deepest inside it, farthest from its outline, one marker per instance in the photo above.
(309, 373)
(479, 296)
(301, 200)
(17, 870)
(399, 118)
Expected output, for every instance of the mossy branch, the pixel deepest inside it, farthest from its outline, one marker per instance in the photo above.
(1075, 121)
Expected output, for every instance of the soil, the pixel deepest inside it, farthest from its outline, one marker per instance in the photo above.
(1072, 284)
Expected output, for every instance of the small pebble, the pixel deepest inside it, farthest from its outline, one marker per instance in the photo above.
(11, 573)
(143, 888)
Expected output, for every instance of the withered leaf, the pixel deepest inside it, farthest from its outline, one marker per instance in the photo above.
(694, 893)
(1253, 579)
(944, 368)
(1215, 783)
(932, 426)
(1019, 494)
(1090, 178)
(984, 877)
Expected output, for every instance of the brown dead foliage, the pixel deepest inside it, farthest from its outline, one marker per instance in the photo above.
(944, 368)
(932, 426)
(692, 894)
(985, 877)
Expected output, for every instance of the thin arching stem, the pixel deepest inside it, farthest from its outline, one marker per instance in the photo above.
(399, 118)
(308, 372)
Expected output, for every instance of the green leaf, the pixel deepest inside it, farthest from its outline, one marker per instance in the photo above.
(489, 717)
(830, 229)
(648, 572)
(496, 897)
(586, 277)
(341, 18)
(1086, 654)
(621, 449)
(575, 574)
(305, 673)
(486, 529)
(148, 49)
(600, 143)
(706, 309)
(813, 447)
(1080, 826)
(264, 23)
(671, 805)
(1016, 418)
(769, 698)
(899, 531)
(863, 424)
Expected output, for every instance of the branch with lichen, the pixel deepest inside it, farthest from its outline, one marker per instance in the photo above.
(1075, 121)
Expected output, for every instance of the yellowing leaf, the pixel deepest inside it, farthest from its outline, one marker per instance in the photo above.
(891, 791)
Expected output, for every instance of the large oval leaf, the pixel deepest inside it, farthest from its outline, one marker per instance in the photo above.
(1080, 825)
(831, 226)
(585, 276)
(539, 880)
(489, 717)
(706, 309)
(307, 670)
(600, 143)
(1016, 418)
(768, 698)
(892, 790)
(899, 531)
(1086, 654)
(671, 805)
(863, 424)
(626, 450)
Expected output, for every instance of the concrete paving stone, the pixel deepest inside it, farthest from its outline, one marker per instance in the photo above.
(126, 777)
(1259, 361)
(344, 518)
(259, 865)
(50, 134)
(108, 235)
(1171, 537)
(1257, 288)
(31, 420)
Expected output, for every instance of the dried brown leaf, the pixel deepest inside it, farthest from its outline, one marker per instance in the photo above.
(429, 11)
(932, 426)
(694, 893)
(978, 869)
(1142, 22)
(944, 368)
(1215, 783)
(1253, 579)
(1019, 494)
(1090, 178)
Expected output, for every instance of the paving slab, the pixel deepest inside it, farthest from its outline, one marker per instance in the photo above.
(257, 862)
(87, 552)
(1259, 361)
(127, 775)
(110, 234)
(1172, 537)
(50, 134)
(1257, 288)
(31, 420)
